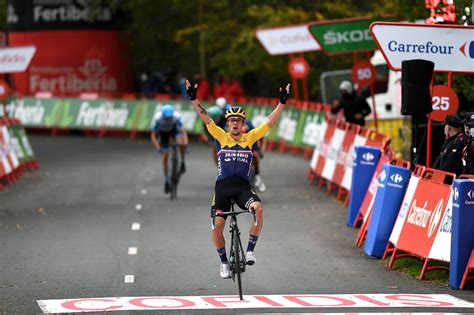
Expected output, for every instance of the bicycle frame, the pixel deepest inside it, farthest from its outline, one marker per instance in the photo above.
(237, 258)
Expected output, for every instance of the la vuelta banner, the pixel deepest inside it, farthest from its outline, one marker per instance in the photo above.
(424, 217)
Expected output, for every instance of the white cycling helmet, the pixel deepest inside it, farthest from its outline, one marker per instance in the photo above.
(221, 102)
(346, 86)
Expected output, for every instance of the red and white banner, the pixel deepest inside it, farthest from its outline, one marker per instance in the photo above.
(90, 61)
(324, 148)
(232, 302)
(16, 59)
(333, 150)
(424, 222)
(321, 129)
(342, 156)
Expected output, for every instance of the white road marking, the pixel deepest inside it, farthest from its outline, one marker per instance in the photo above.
(138, 207)
(232, 302)
(135, 226)
(129, 279)
(132, 250)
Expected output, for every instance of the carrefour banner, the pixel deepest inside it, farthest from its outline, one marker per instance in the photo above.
(296, 126)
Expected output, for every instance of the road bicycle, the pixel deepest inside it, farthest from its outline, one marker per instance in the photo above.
(237, 258)
(175, 171)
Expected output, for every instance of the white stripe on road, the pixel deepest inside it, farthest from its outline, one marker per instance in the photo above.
(135, 226)
(129, 279)
(138, 207)
(232, 302)
(132, 250)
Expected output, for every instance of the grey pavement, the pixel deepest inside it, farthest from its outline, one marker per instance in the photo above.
(65, 231)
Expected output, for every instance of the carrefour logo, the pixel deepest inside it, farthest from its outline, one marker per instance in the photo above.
(396, 178)
(368, 156)
(470, 51)
(383, 175)
(426, 48)
(456, 193)
(435, 218)
(470, 194)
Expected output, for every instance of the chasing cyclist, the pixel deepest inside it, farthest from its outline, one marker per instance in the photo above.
(234, 162)
(168, 126)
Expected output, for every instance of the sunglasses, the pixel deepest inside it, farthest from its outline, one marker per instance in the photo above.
(235, 120)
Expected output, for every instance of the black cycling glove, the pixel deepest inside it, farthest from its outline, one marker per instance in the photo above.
(283, 95)
(192, 92)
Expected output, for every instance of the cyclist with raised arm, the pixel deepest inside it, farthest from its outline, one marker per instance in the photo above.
(168, 126)
(234, 149)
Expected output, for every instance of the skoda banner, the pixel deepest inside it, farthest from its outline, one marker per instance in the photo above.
(450, 47)
(345, 35)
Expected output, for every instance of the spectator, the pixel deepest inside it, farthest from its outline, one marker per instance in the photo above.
(235, 91)
(450, 157)
(468, 152)
(204, 88)
(355, 107)
(221, 88)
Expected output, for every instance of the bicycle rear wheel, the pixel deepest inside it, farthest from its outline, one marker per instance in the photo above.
(237, 255)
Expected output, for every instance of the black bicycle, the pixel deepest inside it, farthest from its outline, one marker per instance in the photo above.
(237, 258)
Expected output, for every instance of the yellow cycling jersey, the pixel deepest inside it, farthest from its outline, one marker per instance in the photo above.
(234, 158)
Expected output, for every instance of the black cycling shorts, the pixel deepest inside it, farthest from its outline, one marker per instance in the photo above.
(232, 188)
(165, 136)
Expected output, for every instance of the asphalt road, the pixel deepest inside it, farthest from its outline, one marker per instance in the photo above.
(66, 230)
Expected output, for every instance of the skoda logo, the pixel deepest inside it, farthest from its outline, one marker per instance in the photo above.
(396, 178)
(470, 194)
(383, 175)
(470, 49)
(435, 218)
(456, 193)
(368, 156)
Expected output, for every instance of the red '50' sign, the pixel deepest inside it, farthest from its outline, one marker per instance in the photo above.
(444, 102)
(364, 73)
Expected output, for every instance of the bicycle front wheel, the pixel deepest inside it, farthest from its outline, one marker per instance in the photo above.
(237, 255)
(174, 178)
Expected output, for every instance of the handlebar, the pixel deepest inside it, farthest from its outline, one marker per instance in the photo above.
(221, 214)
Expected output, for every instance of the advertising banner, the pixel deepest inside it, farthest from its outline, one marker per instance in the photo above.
(90, 61)
(333, 152)
(450, 47)
(345, 35)
(318, 145)
(424, 217)
(287, 40)
(26, 15)
(16, 59)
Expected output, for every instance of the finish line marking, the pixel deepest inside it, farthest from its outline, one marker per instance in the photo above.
(251, 301)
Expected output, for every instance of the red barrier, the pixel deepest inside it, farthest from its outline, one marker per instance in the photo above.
(351, 132)
(469, 267)
(321, 160)
(423, 218)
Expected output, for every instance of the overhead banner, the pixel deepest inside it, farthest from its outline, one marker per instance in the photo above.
(287, 40)
(16, 59)
(345, 35)
(450, 47)
(24, 15)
